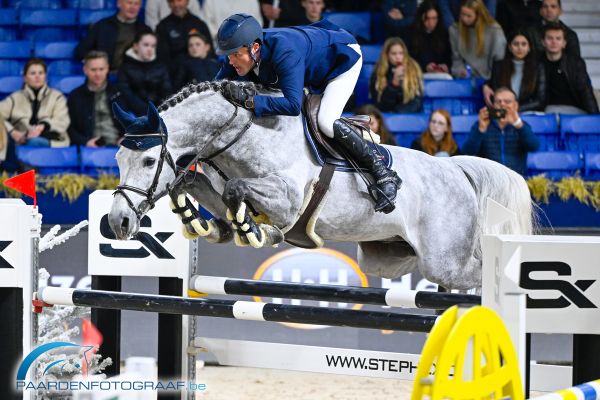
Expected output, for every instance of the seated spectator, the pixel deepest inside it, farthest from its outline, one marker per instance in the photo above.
(172, 33)
(477, 41)
(214, 12)
(377, 123)
(157, 10)
(451, 10)
(569, 89)
(397, 81)
(550, 12)
(518, 14)
(429, 44)
(92, 122)
(437, 140)
(36, 115)
(520, 71)
(142, 78)
(398, 16)
(288, 13)
(501, 135)
(196, 66)
(115, 34)
(313, 11)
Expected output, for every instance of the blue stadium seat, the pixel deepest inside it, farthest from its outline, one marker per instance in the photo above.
(66, 84)
(370, 53)
(9, 84)
(56, 34)
(357, 23)
(455, 96)
(546, 129)
(95, 161)
(580, 132)
(50, 4)
(555, 164)
(11, 67)
(50, 160)
(461, 127)
(8, 34)
(48, 25)
(592, 165)
(8, 17)
(54, 50)
(406, 127)
(15, 50)
(64, 67)
(362, 85)
(87, 17)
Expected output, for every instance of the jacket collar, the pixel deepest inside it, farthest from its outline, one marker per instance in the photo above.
(31, 94)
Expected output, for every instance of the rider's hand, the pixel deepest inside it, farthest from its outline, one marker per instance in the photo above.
(239, 95)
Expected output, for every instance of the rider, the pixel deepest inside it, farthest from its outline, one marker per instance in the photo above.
(321, 56)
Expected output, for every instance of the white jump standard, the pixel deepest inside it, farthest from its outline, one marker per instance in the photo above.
(242, 310)
(394, 297)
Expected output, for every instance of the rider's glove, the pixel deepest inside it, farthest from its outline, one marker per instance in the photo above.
(239, 95)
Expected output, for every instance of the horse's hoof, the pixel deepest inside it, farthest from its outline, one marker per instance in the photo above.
(240, 241)
(187, 234)
(254, 240)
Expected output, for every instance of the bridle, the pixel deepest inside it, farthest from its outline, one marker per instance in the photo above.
(150, 196)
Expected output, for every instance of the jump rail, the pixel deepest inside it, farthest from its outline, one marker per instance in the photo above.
(393, 297)
(242, 310)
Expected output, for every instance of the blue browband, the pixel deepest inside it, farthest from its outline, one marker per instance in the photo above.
(141, 142)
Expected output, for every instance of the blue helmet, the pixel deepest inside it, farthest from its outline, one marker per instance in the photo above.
(239, 30)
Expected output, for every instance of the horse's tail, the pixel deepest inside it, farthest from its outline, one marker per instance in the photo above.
(491, 179)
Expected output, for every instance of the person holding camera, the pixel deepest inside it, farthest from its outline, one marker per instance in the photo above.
(500, 134)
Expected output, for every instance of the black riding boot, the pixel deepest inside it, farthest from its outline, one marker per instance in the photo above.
(387, 182)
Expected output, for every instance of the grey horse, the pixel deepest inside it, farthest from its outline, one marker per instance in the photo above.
(436, 226)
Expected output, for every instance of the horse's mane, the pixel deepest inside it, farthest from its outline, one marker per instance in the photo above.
(215, 86)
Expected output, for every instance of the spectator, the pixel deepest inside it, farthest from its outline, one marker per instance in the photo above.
(430, 45)
(36, 115)
(172, 33)
(451, 10)
(313, 11)
(377, 123)
(520, 71)
(115, 34)
(477, 41)
(354, 5)
(288, 13)
(518, 14)
(157, 10)
(214, 12)
(437, 140)
(92, 123)
(551, 11)
(502, 138)
(398, 16)
(397, 81)
(142, 78)
(569, 90)
(196, 66)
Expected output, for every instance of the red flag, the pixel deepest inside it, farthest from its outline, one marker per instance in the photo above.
(23, 183)
(91, 336)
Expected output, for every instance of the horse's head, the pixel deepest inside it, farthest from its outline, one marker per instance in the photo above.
(145, 166)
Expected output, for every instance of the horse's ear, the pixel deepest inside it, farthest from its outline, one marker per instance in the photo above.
(124, 118)
(153, 117)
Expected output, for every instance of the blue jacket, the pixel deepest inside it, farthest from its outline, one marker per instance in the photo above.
(508, 147)
(294, 57)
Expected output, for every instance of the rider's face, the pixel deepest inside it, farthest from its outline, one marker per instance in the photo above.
(241, 60)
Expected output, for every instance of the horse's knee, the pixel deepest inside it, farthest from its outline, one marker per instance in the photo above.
(234, 193)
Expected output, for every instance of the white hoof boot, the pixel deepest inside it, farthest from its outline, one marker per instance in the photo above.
(254, 242)
(237, 239)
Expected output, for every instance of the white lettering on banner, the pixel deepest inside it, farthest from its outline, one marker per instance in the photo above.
(158, 250)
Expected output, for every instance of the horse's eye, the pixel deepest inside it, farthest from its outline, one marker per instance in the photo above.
(148, 162)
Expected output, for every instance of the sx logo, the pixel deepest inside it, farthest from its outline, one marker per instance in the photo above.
(3, 245)
(571, 293)
(147, 240)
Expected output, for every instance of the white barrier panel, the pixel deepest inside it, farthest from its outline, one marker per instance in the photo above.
(159, 250)
(559, 275)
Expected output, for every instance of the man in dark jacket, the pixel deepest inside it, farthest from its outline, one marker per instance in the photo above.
(505, 139)
(92, 123)
(518, 14)
(551, 11)
(568, 87)
(114, 35)
(172, 33)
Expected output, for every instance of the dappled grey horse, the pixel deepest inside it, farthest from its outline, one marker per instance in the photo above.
(264, 165)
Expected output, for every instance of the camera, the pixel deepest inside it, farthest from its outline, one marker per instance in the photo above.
(496, 113)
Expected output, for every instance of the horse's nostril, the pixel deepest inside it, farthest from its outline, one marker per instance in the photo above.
(125, 224)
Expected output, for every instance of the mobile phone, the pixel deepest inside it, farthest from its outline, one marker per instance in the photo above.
(496, 113)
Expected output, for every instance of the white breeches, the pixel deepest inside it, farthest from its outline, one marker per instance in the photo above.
(336, 95)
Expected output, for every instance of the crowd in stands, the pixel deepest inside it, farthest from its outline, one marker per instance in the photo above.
(518, 53)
